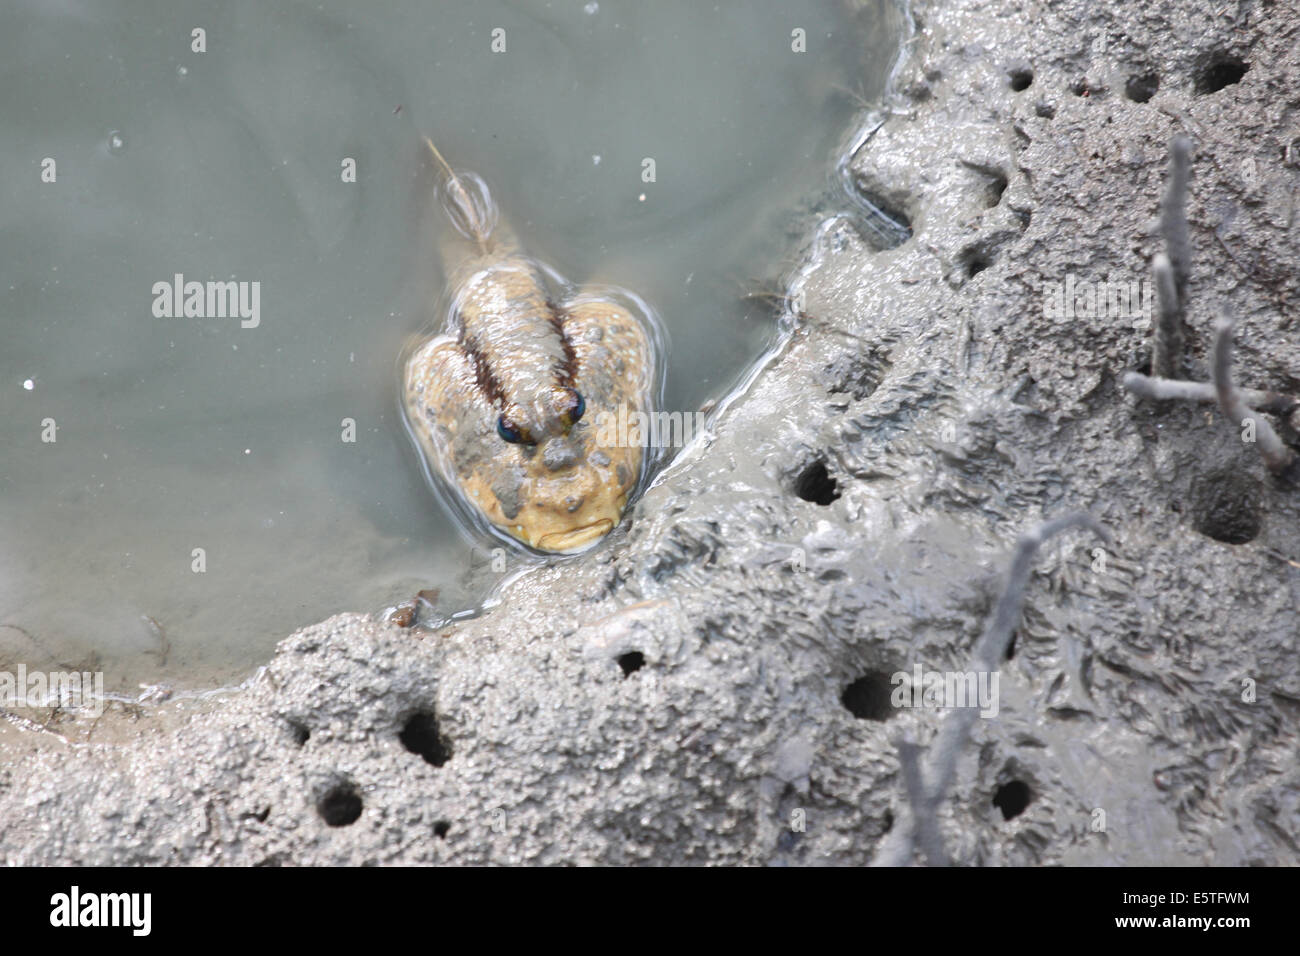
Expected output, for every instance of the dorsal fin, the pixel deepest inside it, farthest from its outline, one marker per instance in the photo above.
(467, 202)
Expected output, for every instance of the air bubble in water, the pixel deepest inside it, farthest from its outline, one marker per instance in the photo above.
(591, 8)
(182, 71)
(115, 142)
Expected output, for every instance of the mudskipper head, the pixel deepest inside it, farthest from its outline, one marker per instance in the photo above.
(565, 491)
(509, 397)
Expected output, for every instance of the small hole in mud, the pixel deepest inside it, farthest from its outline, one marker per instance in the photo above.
(1012, 799)
(421, 736)
(1141, 88)
(1226, 506)
(997, 186)
(816, 485)
(994, 181)
(887, 822)
(885, 224)
(1219, 70)
(631, 661)
(441, 828)
(341, 805)
(1079, 88)
(1021, 79)
(299, 732)
(1011, 645)
(975, 263)
(868, 697)
(1045, 110)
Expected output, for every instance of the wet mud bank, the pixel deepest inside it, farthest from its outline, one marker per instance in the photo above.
(716, 686)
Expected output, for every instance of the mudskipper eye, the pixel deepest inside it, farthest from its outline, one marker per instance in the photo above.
(577, 406)
(509, 432)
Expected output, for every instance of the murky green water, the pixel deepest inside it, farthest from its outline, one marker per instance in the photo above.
(198, 500)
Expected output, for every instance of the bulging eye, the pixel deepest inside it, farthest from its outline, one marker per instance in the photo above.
(577, 407)
(510, 433)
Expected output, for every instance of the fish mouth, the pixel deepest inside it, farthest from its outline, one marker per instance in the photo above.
(576, 538)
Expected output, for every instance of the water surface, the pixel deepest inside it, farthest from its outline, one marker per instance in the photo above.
(176, 434)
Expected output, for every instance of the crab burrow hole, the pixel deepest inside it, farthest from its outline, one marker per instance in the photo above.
(631, 662)
(1217, 70)
(299, 732)
(868, 697)
(1013, 798)
(814, 483)
(1226, 506)
(340, 805)
(1020, 78)
(971, 262)
(1141, 87)
(420, 735)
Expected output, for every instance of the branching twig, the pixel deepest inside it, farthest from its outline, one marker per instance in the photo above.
(897, 849)
(1167, 347)
(1173, 215)
(927, 826)
(1171, 272)
(1277, 456)
(1171, 267)
(1165, 389)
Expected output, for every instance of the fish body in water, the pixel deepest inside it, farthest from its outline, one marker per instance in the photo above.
(508, 399)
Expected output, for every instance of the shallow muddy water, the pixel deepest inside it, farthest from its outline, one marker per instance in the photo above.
(177, 493)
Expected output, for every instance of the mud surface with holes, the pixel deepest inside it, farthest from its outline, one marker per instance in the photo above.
(715, 687)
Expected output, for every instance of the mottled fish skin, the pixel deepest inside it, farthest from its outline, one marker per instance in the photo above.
(509, 349)
(506, 324)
